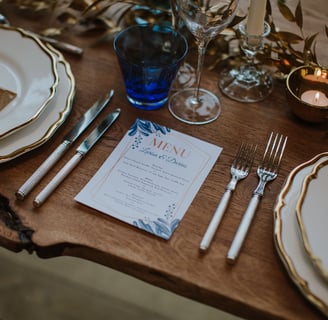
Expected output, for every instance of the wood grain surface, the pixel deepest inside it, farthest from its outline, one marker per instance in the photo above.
(257, 286)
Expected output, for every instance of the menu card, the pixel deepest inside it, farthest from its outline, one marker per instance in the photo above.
(151, 177)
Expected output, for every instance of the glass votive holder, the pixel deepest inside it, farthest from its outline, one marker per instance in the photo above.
(149, 58)
(307, 93)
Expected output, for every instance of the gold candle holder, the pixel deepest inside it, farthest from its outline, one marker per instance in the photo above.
(307, 93)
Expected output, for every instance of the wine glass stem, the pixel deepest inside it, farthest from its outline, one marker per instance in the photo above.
(201, 55)
(175, 16)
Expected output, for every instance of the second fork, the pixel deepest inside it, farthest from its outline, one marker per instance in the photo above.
(266, 171)
(239, 170)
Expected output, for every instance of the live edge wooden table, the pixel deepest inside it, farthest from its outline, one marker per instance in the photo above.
(256, 287)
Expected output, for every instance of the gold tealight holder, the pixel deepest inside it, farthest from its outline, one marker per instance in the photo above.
(307, 93)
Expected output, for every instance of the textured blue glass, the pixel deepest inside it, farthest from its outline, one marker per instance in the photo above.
(149, 58)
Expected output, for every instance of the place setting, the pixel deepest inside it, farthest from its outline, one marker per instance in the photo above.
(299, 216)
(170, 178)
(267, 171)
(299, 229)
(41, 86)
(20, 73)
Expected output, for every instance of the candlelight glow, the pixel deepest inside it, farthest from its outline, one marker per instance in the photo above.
(316, 97)
(318, 72)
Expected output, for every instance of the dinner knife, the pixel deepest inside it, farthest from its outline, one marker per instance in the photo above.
(81, 151)
(64, 46)
(69, 139)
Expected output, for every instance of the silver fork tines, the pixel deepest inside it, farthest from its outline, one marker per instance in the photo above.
(239, 170)
(266, 171)
(268, 168)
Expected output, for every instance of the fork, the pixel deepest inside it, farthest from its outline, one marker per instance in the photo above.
(239, 170)
(266, 172)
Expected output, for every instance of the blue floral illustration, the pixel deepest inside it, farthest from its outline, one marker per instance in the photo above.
(145, 128)
(159, 227)
(170, 211)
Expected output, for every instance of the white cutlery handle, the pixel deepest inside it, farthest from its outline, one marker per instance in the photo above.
(243, 228)
(57, 179)
(35, 178)
(217, 217)
(67, 47)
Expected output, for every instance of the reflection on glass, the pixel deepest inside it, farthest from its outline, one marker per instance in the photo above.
(205, 20)
(247, 82)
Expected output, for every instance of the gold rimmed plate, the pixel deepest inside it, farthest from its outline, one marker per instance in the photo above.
(288, 240)
(41, 130)
(312, 216)
(28, 73)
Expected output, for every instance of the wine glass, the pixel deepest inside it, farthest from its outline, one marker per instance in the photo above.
(186, 75)
(205, 19)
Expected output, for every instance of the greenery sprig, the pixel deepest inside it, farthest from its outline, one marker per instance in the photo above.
(283, 50)
(286, 49)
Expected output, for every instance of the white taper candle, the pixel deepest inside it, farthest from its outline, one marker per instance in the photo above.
(256, 15)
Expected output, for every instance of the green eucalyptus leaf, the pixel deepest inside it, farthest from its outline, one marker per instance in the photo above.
(236, 20)
(299, 15)
(289, 37)
(309, 41)
(314, 53)
(286, 12)
(268, 8)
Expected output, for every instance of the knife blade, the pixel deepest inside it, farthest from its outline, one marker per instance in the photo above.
(81, 151)
(69, 139)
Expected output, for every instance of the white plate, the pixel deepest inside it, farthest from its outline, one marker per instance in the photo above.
(312, 216)
(27, 68)
(39, 131)
(288, 238)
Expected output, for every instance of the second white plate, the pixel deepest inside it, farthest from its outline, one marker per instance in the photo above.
(288, 238)
(312, 216)
(38, 132)
(28, 69)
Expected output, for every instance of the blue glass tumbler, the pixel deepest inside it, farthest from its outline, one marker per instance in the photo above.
(149, 57)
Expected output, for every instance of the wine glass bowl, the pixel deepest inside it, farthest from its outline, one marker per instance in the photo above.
(205, 19)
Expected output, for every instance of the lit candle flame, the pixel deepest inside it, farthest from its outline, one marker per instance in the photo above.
(317, 97)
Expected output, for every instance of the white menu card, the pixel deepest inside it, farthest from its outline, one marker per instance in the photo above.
(151, 177)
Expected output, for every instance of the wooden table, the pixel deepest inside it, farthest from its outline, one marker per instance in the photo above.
(256, 287)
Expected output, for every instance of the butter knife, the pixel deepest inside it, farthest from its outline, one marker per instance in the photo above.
(69, 139)
(81, 151)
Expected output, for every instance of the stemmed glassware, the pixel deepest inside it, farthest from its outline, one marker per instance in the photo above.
(205, 19)
(247, 82)
(186, 75)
